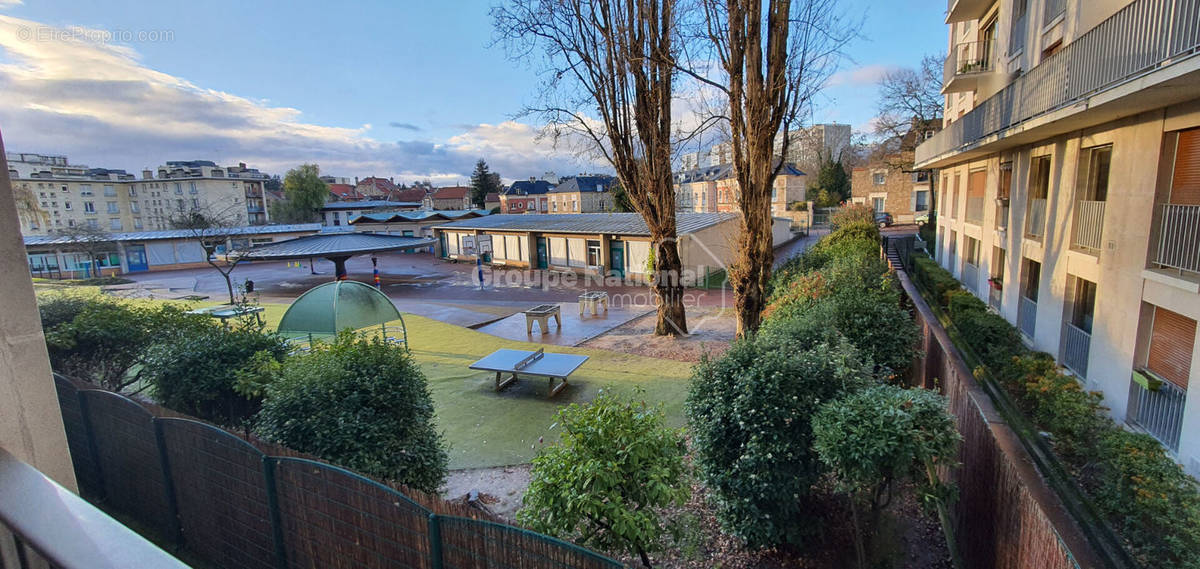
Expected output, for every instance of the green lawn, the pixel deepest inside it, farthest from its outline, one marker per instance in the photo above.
(485, 428)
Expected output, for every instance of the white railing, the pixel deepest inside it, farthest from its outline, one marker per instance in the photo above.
(1089, 224)
(1052, 9)
(968, 57)
(975, 210)
(1142, 37)
(1159, 412)
(1076, 345)
(970, 277)
(995, 297)
(1027, 316)
(1179, 238)
(1035, 220)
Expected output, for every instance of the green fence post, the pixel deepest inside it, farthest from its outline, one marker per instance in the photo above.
(176, 530)
(273, 506)
(435, 542)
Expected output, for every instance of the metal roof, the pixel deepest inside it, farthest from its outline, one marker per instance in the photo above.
(614, 223)
(334, 245)
(179, 233)
(422, 215)
(332, 307)
(368, 204)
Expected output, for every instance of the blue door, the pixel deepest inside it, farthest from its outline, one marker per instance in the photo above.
(616, 256)
(135, 257)
(541, 253)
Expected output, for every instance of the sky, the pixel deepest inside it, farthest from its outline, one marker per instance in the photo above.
(410, 89)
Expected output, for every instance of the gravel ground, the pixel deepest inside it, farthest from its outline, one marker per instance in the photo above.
(711, 330)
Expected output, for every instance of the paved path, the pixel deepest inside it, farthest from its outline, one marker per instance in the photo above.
(798, 246)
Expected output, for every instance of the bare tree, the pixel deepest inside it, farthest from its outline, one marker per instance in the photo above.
(91, 241)
(212, 230)
(909, 96)
(771, 58)
(613, 58)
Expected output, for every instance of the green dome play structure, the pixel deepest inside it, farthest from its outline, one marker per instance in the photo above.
(327, 309)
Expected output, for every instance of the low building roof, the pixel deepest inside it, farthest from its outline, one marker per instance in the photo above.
(420, 215)
(334, 245)
(585, 184)
(451, 193)
(528, 188)
(179, 234)
(369, 204)
(591, 223)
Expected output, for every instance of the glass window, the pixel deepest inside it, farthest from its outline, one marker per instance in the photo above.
(89, 207)
(109, 191)
(593, 253)
(112, 207)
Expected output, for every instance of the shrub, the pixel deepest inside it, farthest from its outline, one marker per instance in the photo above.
(853, 213)
(615, 467)
(196, 373)
(934, 278)
(58, 309)
(749, 413)
(875, 323)
(363, 404)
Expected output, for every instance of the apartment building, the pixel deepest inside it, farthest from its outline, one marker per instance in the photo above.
(715, 189)
(582, 194)
(527, 196)
(807, 148)
(1068, 176)
(233, 192)
(887, 188)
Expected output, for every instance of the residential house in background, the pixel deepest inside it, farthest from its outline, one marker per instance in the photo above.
(526, 196)
(1054, 110)
(491, 201)
(337, 213)
(449, 197)
(373, 188)
(582, 194)
(889, 183)
(344, 193)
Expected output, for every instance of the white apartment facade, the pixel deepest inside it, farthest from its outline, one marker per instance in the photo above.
(807, 148)
(1069, 192)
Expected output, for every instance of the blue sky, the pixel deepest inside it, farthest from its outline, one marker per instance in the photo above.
(408, 89)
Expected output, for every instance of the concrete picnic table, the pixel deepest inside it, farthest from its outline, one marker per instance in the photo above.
(227, 311)
(541, 314)
(539, 363)
(593, 299)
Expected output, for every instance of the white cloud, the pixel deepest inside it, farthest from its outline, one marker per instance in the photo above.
(66, 92)
(10, 3)
(867, 75)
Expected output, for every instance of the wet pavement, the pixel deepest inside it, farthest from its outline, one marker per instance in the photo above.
(575, 329)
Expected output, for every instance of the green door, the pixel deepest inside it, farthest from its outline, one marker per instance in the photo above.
(541, 253)
(616, 256)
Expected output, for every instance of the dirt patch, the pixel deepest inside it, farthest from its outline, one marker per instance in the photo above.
(499, 489)
(711, 331)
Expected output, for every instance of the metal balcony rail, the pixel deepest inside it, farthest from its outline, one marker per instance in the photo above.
(995, 297)
(1027, 316)
(969, 57)
(1035, 222)
(1160, 412)
(1089, 224)
(1142, 37)
(43, 524)
(1075, 348)
(970, 277)
(975, 210)
(1179, 238)
(1053, 8)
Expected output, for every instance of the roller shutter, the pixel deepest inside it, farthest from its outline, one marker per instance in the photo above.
(1172, 340)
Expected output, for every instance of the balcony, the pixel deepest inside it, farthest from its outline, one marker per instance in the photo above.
(1035, 220)
(1155, 42)
(1158, 411)
(966, 63)
(1076, 345)
(1089, 226)
(964, 10)
(1179, 238)
(1027, 316)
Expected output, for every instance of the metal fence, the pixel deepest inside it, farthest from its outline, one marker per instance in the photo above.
(229, 502)
(1089, 225)
(1076, 345)
(1027, 316)
(1179, 238)
(1141, 37)
(968, 57)
(1159, 412)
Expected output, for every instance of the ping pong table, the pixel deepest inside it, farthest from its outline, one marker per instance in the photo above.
(524, 362)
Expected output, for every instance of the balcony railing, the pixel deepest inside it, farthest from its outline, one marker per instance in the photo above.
(1159, 412)
(975, 210)
(1053, 8)
(1089, 224)
(968, 58)
(1179, 238)
(1076, 345)
(1027, 316)
(1035, 221)
(970, 277)
(1142, 37)
(995, 297)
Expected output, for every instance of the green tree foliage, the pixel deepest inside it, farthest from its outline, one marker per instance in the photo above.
(832, 185)
(749, 412)
(363, 404)
(303, 194)
(620, 198)
(606, 480)
(197, 372)
(483, 182)
(885, 435)
(103, 340)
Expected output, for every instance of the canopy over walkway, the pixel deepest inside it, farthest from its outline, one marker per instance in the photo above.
(336, 247)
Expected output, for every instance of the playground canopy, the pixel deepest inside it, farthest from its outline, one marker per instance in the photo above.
(336, 247)
(329, 308)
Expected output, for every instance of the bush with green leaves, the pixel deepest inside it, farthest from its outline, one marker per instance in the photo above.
(360, 403)
(106, 341)
(749, 413)
(853, 213)
(934, 278)
(197, 372)
(882, 436)
(606, 481)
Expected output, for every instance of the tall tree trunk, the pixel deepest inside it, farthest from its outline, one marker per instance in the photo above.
(668, 287)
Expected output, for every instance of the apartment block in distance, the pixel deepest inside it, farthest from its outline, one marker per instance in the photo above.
(713, 189)
(1068, 176)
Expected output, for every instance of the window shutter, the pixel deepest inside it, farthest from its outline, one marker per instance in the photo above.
(1171, 341)
(1185, 184)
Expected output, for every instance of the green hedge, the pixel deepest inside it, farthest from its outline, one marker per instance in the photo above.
(1147, 498)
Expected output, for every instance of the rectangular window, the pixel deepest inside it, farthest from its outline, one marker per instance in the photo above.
(1039, 188)
(976, 186)
(922, 203)
(877, 204)
(114, 223)
(178, 189)
(109, 191)
(880, 178)
(1172, 339)
(113, 208)
(1185, 179)
(89, 207)
(1030, 280)
(133, 207)
(84, 189)
(971, 251)
(133, 191)
(1083, 304)
(192, 187)
(593, 254)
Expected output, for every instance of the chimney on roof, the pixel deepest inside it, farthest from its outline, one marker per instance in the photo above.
(532, 179)
(356, 180)
(391, 179)
(242, 165)
(147, 174)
